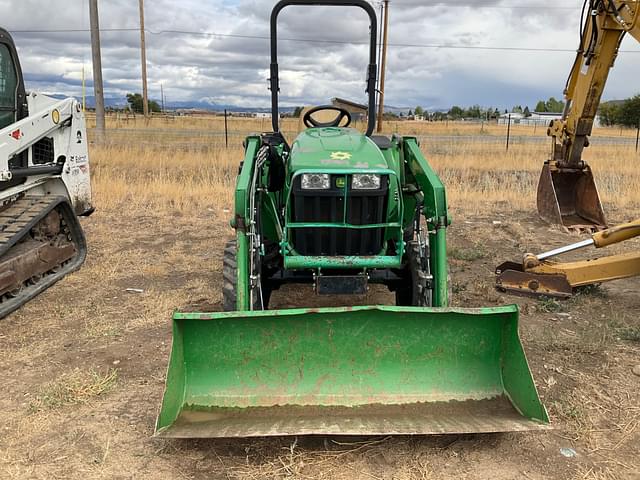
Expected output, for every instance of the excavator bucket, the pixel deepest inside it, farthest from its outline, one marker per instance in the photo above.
(569, 197)
(348, 371)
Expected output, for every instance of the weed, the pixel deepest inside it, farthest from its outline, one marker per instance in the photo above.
(594, 290)
(73, 388)
(631, 334)
(550, 305)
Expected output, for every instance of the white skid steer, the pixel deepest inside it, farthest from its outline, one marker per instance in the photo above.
(44, 186)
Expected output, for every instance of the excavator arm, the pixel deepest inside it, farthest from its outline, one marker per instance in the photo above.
(567, 194)
(538, 276)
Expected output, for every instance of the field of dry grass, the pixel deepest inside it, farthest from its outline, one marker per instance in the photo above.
(184, 170)
(84, 363)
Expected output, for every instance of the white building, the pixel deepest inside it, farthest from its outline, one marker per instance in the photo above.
(536, 118)
(515, 118)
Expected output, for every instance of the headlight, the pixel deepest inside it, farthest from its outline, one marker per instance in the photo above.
(315, 181)
(365, 181)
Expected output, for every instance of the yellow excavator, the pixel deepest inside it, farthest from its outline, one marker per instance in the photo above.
(567, 193)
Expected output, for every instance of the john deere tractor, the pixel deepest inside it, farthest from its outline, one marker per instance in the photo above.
(341, 209)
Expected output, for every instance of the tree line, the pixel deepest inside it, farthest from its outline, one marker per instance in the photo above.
(621, 112)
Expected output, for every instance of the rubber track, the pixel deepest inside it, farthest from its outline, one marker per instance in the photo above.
(17, 220)
(21, 216)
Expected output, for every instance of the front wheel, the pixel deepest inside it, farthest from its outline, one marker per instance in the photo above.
(416, 290)
(230, 282)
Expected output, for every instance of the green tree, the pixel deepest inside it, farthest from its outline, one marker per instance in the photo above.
(553, 105)
(630, 112)
(526, 112)
(296, 112)
(136, 103)
(609, 113)
(474, 112)
(410, 112)
(456, 112)
(419, 110)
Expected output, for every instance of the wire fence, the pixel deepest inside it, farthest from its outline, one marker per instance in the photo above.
(189, 139)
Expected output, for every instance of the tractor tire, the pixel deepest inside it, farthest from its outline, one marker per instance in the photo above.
(230, 281)
(229, 277)
(410, 295)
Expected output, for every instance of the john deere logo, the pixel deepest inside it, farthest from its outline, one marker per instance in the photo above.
(340, 156)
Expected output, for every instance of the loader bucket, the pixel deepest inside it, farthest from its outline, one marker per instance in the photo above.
(348, 371)
(569, 197)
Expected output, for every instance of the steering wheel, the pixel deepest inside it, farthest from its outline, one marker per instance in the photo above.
(311, 122)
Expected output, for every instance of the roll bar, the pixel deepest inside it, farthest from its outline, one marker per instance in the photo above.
(372, 69)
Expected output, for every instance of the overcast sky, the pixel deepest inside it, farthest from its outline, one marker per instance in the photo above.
(233, 70)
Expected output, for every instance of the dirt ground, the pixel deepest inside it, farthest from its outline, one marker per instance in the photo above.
(84, 368)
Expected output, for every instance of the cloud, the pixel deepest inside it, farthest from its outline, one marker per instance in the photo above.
(235, 68)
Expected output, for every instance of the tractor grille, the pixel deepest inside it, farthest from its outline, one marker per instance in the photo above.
(328, 206)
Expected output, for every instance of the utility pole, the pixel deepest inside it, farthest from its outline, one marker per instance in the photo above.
(98, 91)
(143, 55)
(162, 97)
(84, 92)
(383, 66)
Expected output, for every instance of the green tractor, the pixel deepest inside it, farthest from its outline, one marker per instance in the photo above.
(341, 209)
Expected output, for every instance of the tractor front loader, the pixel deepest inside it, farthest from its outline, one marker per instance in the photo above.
(340, 209)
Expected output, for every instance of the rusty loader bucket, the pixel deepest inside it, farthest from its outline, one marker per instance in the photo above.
(348, 371)
(569, 197)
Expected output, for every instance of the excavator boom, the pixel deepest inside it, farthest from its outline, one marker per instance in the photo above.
(567, 193)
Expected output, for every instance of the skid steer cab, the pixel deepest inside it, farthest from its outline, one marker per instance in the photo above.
(340, 209)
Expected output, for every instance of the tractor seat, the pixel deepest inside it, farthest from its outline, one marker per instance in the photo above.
(382, 142)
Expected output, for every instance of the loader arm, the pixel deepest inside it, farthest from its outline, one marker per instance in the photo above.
(436, 215)
(22, 134)
(567, 193)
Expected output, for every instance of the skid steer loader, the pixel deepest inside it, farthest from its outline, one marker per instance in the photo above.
(341, 209)
(44, 186)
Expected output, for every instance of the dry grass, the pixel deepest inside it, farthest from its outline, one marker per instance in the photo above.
(73, 388)
(137, 179)
(181, 172)
(215, 123)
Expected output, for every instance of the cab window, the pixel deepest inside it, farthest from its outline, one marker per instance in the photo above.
(8, 87)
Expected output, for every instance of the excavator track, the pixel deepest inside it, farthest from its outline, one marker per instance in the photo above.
(41, 241)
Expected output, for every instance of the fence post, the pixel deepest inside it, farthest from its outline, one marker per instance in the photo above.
(226, 133)
(637, 137)
(508, 131)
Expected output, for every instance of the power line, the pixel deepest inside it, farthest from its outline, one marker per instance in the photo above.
(313, 40)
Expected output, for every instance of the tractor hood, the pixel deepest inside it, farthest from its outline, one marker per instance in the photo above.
(335, 148)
